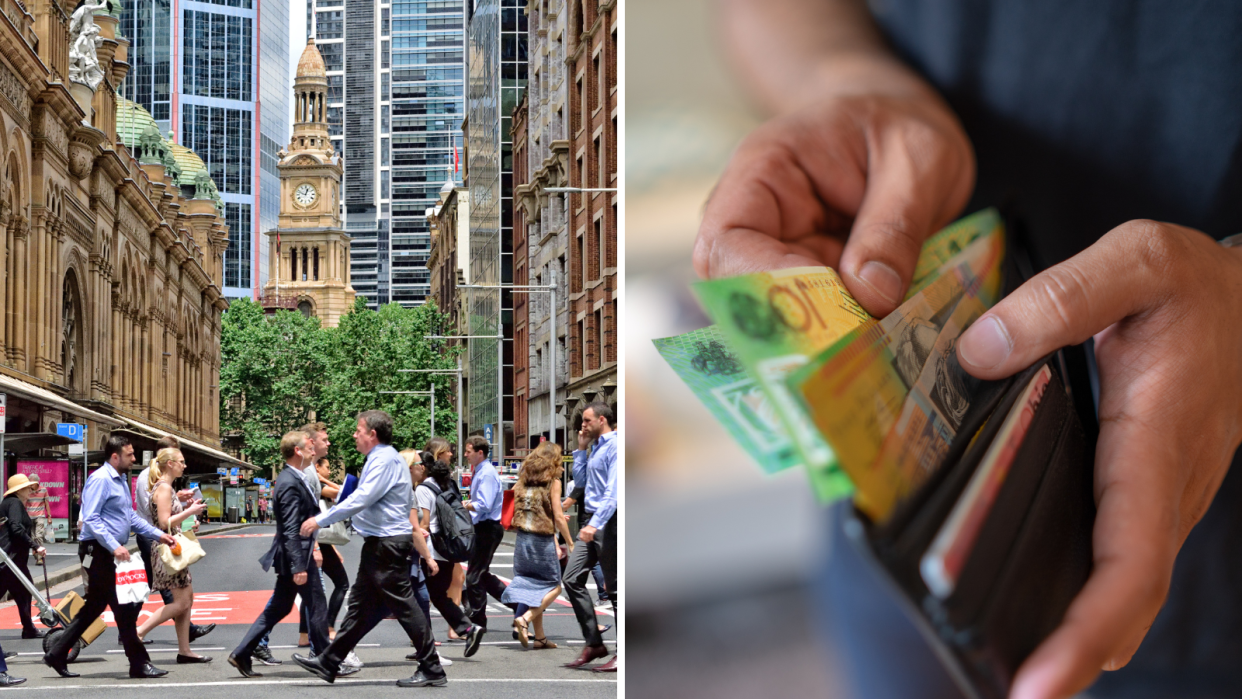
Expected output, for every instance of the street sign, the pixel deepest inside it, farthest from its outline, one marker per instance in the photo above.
(147, 456)
(222, 471)
(73, 430)
(487, 433)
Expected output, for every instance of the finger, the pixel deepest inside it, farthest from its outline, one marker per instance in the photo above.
(1123, 274)
(784, 201)
(1134, 544)
(902, 206)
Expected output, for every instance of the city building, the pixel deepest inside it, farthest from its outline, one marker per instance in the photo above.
(449, 223)
(309, 248)
(496, 41)
(215, 74)
(401, 65)
(593, 109)
(112, 263)
(540, 232)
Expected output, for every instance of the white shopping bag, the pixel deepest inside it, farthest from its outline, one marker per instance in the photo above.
(131, 580)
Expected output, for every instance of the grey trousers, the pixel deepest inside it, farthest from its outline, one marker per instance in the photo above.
(577, 571)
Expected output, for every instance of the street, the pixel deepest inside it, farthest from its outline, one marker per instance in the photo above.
(231, 589)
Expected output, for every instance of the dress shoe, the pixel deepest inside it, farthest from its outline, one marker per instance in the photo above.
(192, 659)
(315, 666)
(10, 654)
(7, 680)
(243, 666)
(197, 632)
(264, 655)
(610, 666)
(425, 678)
(473, 639)
(146, 671)
(59, 667)
(32, 633)
(589, 653)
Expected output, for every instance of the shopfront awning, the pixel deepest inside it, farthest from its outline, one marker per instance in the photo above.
(44, 397)
(23, 443)
(203, 451)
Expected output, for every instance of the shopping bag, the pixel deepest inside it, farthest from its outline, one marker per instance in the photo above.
(131, 580)
(336, 534)
(506, 510)
(190, 552)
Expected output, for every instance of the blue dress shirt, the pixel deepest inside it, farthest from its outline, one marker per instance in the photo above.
(597, 471)
(486, 493)
(380, 506)
(108, 510)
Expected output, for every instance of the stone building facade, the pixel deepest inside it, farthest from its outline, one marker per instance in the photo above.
(570, 239)
(114, 239)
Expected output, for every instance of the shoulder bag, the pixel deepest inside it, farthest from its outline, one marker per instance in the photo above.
(335, 534)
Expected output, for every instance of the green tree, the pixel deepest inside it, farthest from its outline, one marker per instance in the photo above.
(278, 370)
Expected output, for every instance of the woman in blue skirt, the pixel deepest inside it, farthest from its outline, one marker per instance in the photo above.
(537, 517)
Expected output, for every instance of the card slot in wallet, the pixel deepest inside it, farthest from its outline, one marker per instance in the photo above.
(1033, 551)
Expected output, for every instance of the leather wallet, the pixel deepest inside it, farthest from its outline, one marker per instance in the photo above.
(1032, 553)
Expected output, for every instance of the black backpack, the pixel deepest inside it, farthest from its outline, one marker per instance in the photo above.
(455, 539)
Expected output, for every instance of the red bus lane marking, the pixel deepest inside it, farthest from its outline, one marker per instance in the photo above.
(236, 607)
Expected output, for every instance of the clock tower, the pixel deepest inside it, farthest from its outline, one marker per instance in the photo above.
(309, 249)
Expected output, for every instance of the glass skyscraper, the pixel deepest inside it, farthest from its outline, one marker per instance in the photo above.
(210, 84)
(497, 63)
(399, 68)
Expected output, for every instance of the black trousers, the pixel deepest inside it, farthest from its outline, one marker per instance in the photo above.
(101, 593)
(608, 558)
(437, 589)
(314, 608)
(21, 596)
(383, 584)
(480, 582)
(334, 568)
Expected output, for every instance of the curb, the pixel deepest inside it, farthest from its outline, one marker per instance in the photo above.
(59, 576)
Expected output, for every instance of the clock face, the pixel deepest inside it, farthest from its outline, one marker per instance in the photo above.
(305, 195)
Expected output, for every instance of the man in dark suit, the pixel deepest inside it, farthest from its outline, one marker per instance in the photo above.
(292, 554)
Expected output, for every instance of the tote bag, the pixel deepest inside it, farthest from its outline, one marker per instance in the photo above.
(191, 552)
(131, 580)
(335, 534)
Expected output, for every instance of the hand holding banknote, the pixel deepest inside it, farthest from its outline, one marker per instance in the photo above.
(864, 162)
(1163, 303)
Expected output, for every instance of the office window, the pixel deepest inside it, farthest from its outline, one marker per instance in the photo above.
(600, 165)
(582, 261)
(599, 338)
(600, 246)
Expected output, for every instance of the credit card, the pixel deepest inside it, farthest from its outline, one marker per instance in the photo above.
(942, 563)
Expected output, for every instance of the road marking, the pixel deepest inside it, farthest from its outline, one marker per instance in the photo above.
(310, 682)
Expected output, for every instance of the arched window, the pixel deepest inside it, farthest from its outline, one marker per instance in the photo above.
(304, 307)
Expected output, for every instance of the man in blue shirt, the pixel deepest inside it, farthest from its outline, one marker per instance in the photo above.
(595, 466)
(486, 499)
(380, 508)
(108, 516)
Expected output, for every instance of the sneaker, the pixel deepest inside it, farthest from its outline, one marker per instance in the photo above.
(473, 639)
(263, 655)
(445, 662)
(347, 670)
(352, 660)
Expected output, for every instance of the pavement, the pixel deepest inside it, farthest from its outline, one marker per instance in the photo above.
(231, 589)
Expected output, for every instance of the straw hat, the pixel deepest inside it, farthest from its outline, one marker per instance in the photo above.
(17, 482)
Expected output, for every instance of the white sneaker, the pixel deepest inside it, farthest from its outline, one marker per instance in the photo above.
(445, 662)
(351, 660)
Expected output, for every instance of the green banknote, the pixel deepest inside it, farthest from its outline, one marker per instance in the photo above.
(771, 323)
(714, 373)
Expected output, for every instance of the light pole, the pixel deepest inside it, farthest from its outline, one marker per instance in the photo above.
(500, 382)
(549, 289)
(431, 393)
(446, 371)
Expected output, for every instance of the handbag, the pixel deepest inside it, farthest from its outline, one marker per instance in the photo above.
(191, 552)
(336, 534)
(131, 581)
(506, 510)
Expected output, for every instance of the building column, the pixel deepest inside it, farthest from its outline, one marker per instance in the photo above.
(144, 406)
(5, 245)
(19, 298)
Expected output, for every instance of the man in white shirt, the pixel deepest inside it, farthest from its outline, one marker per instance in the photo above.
(380, 508)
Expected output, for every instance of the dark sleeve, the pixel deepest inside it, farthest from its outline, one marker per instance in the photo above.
(288, 501)
(579, 493)
(19, 535)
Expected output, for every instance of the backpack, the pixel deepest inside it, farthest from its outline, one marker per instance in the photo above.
(455, 539)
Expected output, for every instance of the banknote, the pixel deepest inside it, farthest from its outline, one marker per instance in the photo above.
(772, 323)
(855, 392)
(714, 374)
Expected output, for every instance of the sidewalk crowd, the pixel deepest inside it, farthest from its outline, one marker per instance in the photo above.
(416, 535)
